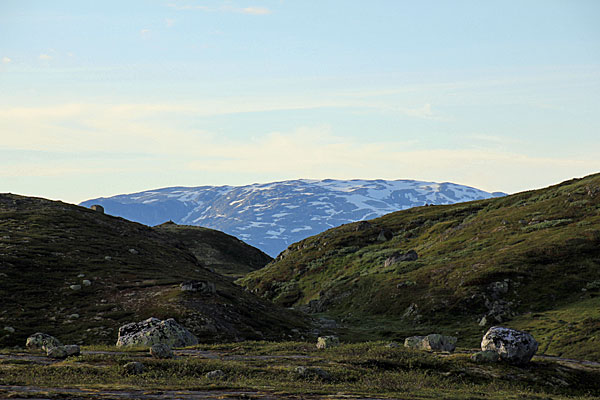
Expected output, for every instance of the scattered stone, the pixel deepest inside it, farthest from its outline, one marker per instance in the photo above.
(72, 350)
(134, 251)
(513, 346)
(73, 316)
(385, 235)
(411, 255)
(204, 287)
(161, 351)
(133, 368)
(327, 323)
(432, 342)
(362, 225)
(411, 311)
(98, 208)
(216, 374)
(312, 372)
(81, 276)
(9, 329)
(42, 341)
(154, 331)
(392, 345)
(86, 282)
(75, 287)
(107, 258)
(405, 284)
(3, 275)
(483, 321)
(487, 356)
(57, 352)
(326, 342)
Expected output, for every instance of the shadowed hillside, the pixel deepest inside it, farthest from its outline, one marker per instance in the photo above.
(216, 250)
(80, 274)
(529, 260)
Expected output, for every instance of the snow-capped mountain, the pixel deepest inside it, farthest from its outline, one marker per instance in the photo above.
(272, 216)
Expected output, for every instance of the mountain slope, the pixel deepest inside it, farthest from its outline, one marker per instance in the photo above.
(271, 216)
(48, 249)
(531, 260)
(216, 250)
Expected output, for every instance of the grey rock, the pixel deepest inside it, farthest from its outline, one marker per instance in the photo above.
(75, 287)
(133, 368)
(134, 251)
(326, 342)
(487, 356)
(81, 276)
(432, 342)
(98, 208)
(73, 316)
(483, 321)
(86, 282)
(57, 352)
(203, 287)
(513, 346)
(392, 345)
(216, 374)
(154, 331)
(384, 235)
(72, 350)
(9, 329)
(107, 258)
(42, 341)
(312, 373)
(161, 351)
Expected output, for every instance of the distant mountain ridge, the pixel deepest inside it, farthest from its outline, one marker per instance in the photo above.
(271, 216)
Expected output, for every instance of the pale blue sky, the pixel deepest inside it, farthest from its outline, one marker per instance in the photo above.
(101, 98)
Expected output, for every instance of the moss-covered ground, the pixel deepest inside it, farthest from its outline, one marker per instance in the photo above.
(364, 370)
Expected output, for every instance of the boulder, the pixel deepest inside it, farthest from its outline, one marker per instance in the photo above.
(63, 351)
(9, 329)
(202, 287)
(216, 374)
(133, 368)
(487, 356)
(432, 342)
(326, 342)
(362, 225)
(97, 208)
(161, 351)
(75, 287)
(42, 341)
(511, 345)
(86, 282)
(154, 331)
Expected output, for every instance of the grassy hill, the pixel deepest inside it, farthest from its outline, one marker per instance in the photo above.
(217, 250)
(529, 260)
(48, 249)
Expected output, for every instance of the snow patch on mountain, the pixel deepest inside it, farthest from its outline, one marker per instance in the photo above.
(274, 215)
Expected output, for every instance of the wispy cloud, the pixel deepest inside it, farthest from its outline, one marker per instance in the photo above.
(45, 57)
(6, 60)
(224, 8)
(145, 33)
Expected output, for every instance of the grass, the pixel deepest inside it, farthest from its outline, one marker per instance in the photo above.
(544, 245)
(135, 273)
(365, 369)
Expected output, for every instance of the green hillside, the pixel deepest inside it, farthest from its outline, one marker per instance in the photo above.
(529, 260)
(217, 250)
(48, 249)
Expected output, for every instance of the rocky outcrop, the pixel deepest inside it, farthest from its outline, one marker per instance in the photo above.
(42, 341)
(411, 255)
(97, 208)
(216, 374)
(202, 287)
(154, 331)
(511, 345)
(432, 342)
(326, 342)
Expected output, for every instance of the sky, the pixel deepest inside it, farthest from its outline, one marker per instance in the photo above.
(99, 98)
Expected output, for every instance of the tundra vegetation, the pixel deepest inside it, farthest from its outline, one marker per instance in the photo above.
(435, 277)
